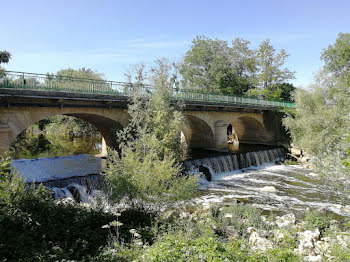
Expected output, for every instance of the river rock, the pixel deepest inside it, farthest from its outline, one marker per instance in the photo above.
(205, 171)
(75, 193)
(268, 189)
(285, 221)
(231, 232)
(257, 242)
(322, 247)
(317, 258)
(307, 242)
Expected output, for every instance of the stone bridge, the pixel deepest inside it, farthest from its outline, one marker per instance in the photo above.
(218, 124)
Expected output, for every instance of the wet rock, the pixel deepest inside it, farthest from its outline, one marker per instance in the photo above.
(231, 232)
(206, 172)
(268, 189)
(257, 242)
(75, 193)
(285, 221)
(296, 151)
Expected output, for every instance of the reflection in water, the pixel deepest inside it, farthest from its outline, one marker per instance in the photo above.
(44, 169)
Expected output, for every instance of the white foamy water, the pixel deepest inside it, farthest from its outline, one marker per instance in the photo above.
(294, 189)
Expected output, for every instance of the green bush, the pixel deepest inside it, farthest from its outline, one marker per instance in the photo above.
(148, 164)
(314, 219)
(184, 247)
(35, 227)
(239, 216)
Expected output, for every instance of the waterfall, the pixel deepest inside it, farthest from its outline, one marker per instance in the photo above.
(228, 163)
(75, 188)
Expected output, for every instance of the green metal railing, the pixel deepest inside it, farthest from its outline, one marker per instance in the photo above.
(30, 81)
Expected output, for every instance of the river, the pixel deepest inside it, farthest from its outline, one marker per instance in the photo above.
(254, 179)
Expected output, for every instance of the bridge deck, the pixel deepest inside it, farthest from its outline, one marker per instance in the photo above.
(52, 86)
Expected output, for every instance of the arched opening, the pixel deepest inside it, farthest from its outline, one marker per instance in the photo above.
(197, 134)
(232, 139)
(66, 134)
(250, 131)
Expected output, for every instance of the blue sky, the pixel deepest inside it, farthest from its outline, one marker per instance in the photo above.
(108, 36)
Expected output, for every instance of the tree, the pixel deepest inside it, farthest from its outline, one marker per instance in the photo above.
(243, 60)
(213, 65)
(337, 57)
(84, 73)
(4, 59)
(270, 65)
(206, 64)
(282, 91)
(148, 166)
(321, 123)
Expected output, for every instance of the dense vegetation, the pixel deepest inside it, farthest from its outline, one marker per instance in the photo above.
(213, 65)
(320, 124)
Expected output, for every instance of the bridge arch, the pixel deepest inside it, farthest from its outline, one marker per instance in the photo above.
(197, 133)
(14, 121)
(249, 130)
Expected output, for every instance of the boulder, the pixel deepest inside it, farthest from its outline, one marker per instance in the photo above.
(307, 242)
(285, 221)
(206, 172)
(257, 242)
(268, 189)
(231, 232)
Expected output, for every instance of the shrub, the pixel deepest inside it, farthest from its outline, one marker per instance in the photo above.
(182, 247)
(318, 220)
(241, 217)
(147, 167)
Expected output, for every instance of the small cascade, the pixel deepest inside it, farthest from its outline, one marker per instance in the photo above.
(90, 182)
(77, 188)
(228, 163)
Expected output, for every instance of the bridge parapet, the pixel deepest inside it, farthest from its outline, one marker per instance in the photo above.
(48, 82)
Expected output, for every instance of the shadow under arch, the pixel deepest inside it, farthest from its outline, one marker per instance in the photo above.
(197, 133)
(106, 126)
(250, 130)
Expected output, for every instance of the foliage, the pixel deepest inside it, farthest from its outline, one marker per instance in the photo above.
(148, 165)
(5, 57)
(314, 219)
(35, 227)
(337, 57)
(215, 66)
(340, 253)
(83, 73)
(270, 65)
(320, 124)
(180, 247)
(239, 216)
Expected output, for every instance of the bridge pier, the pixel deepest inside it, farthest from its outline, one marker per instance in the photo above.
(221, 135)
(5, 137)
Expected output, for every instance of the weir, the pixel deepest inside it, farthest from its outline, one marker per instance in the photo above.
(80, 188)
(229, 163)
